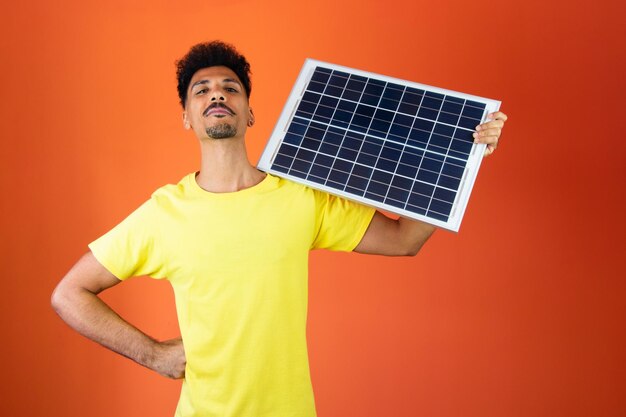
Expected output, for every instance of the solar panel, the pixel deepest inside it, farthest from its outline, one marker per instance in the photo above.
(396, 145)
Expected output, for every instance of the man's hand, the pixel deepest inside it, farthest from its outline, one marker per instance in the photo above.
(490, 131)
(169, 359)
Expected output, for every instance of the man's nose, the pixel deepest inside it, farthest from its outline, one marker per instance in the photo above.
(218, 95)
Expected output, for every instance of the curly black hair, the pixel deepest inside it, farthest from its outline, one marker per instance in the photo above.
(211, 54)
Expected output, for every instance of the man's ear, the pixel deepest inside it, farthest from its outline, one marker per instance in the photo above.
(186, 123)
(251, 118)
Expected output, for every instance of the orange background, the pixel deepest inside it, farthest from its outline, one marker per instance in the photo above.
(520, 314)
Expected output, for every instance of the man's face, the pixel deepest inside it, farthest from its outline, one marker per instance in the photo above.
(217, 106)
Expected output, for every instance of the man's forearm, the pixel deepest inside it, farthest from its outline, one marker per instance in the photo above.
(86, 313)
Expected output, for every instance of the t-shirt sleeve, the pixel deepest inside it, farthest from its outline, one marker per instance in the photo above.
(131, 248)
(340, 223)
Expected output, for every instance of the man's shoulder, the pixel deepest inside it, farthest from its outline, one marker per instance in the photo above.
(174, 191)
(297, 190)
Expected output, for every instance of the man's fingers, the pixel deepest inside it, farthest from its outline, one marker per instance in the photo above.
(489, 125)
(498, 115)
(489, 150)
(488, 136)
(490, 131)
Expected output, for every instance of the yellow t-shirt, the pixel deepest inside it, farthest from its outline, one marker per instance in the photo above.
(238, 264)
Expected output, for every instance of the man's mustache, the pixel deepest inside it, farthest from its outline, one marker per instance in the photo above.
(216, 105)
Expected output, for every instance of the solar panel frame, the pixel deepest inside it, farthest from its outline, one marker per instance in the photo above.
(354, 120)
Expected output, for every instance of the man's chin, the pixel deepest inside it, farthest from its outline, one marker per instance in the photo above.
(221, 131)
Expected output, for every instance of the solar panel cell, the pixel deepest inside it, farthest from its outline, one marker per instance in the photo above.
(444, 130)
(431, 102)
(396, 197)
(342, 118)
(352, 142)
(451, 169)
(419, 201)
(382, 177)
(407, 170)
(315, 131)
(427, 113)
(440, 142)
(440, 207)
(386, 165)
(338, 177)
(448, 182)
(351, 95)
(427, 176)
(366, 159)
(293, 139)
(317, 87)
(418, 138)
(329, 148)
(358, 183)
(431, 165)
(462, 148)
(300, 168)
(413, 96)
(338, 80)
(391, 152)
(306, 108)
(422, 188)
(444, 117)
(347, 153)
(333, 137)
(445, 195)
(408, 108)
(452, 106)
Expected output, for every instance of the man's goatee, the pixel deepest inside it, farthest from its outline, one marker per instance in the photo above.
(222, 131)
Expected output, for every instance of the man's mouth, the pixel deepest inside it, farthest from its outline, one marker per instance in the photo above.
(218, 109)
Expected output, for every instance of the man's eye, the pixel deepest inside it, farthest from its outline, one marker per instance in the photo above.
(231, 90)
(204, 90)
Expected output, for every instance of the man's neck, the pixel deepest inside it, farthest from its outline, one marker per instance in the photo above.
(225, 166)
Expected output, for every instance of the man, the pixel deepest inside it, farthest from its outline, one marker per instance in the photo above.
(234, 243)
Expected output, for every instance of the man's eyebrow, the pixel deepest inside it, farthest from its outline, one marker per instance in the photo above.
(225, 80)
(232, 80)
(199, 83)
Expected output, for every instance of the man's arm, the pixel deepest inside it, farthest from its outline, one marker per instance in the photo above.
(402, 237)
(76, 300)
(405, 237)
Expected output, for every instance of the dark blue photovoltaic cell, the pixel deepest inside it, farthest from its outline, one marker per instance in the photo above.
(401, 146)
(338, 176)
(419, 200)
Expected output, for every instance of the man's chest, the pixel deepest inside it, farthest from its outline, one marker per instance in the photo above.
(215, 239)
